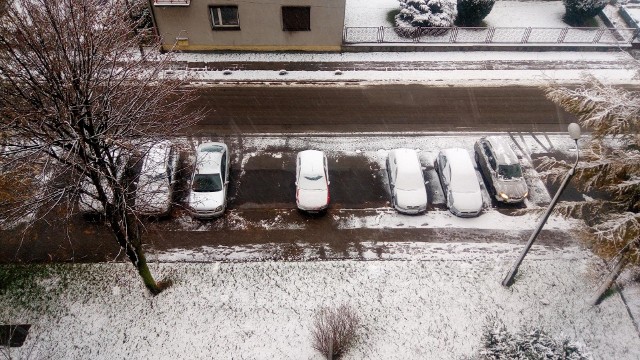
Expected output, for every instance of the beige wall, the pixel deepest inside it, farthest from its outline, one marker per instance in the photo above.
(260, 26)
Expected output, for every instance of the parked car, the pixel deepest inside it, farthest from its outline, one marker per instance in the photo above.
(88, 201)
(312, 181)
(459, 182)
(154, 191)
(208, 188)
(408, 193)
(501, 169)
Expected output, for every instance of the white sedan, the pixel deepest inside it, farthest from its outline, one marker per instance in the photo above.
(312, 181)
(208, 192)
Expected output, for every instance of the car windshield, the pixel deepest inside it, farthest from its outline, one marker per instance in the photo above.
(207, 183)
(509, 172)
(312, 182)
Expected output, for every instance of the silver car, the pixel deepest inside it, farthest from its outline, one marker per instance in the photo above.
(500, 167)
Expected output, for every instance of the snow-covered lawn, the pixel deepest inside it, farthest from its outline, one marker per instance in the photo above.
(504, 13)
(432, 309)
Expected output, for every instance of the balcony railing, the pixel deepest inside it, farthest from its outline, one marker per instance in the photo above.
(488, 35)
(171, 2)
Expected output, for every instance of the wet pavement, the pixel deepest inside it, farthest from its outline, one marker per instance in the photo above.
(351, 108)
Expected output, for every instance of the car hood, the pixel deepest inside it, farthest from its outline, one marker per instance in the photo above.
(206, 200)
(406, 198)
(467, 201)
(512, 188)
(312, 199)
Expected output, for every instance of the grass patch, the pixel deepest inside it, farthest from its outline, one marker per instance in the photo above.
(32, 287)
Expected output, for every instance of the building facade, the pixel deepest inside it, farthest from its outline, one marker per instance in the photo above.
(249, 25)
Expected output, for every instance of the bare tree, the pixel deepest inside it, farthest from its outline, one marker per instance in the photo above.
(335, 330)
(609, 163)
(77, 103)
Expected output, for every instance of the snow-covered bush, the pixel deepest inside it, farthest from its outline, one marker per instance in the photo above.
(335, 330)
(577, 11)
(528, 344)
(471, 12)
(426, 13)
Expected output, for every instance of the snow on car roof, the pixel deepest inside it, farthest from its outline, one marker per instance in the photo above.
(154, 160)
(209, 157)
(462, 170)
(312, 162)
(406, 158)
(502, 150)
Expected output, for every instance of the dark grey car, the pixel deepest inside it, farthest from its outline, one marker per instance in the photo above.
(501, 169)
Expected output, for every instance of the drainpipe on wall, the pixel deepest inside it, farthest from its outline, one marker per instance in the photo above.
(153, 21)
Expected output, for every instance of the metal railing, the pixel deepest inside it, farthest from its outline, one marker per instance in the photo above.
(488, 35)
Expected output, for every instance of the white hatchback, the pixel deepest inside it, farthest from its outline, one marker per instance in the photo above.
(208, 191)
(408, 193)
(459, 182)
(154, 191)
(312, 181)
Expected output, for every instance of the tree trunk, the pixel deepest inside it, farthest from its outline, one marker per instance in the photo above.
(611, 278)
(127, 232)
(615, 272)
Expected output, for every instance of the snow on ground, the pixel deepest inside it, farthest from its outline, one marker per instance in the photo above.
(435, 56)
(367, 13)
(368, 251)
(526, 14)
(433, 77)
(409, 309)
(489, 219)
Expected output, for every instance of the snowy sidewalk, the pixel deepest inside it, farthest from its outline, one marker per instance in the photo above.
(440, 68)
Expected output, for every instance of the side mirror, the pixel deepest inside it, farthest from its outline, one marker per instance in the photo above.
(296, 183)
(328, 182)
(226, 182)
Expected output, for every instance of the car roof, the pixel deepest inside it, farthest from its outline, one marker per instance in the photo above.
(458, 160)
(405, 158)
(154, 160)
(503, 152)
(209, 157)
(312, 161)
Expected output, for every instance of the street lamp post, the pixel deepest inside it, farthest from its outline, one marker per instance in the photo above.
(574, 132)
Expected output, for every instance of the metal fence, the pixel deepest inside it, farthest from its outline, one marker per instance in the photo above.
(488, 35)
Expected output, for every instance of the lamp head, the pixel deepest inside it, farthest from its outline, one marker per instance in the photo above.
(574, 131)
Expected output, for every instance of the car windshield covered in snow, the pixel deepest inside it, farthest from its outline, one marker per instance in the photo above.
(312, 182)
(212, 148)
(507, 172)
(207, 183)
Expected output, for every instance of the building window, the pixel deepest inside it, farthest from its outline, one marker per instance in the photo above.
(296, 18)
(225, 17)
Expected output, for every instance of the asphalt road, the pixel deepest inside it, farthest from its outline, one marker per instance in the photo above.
(299, 109)
(346, 108)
